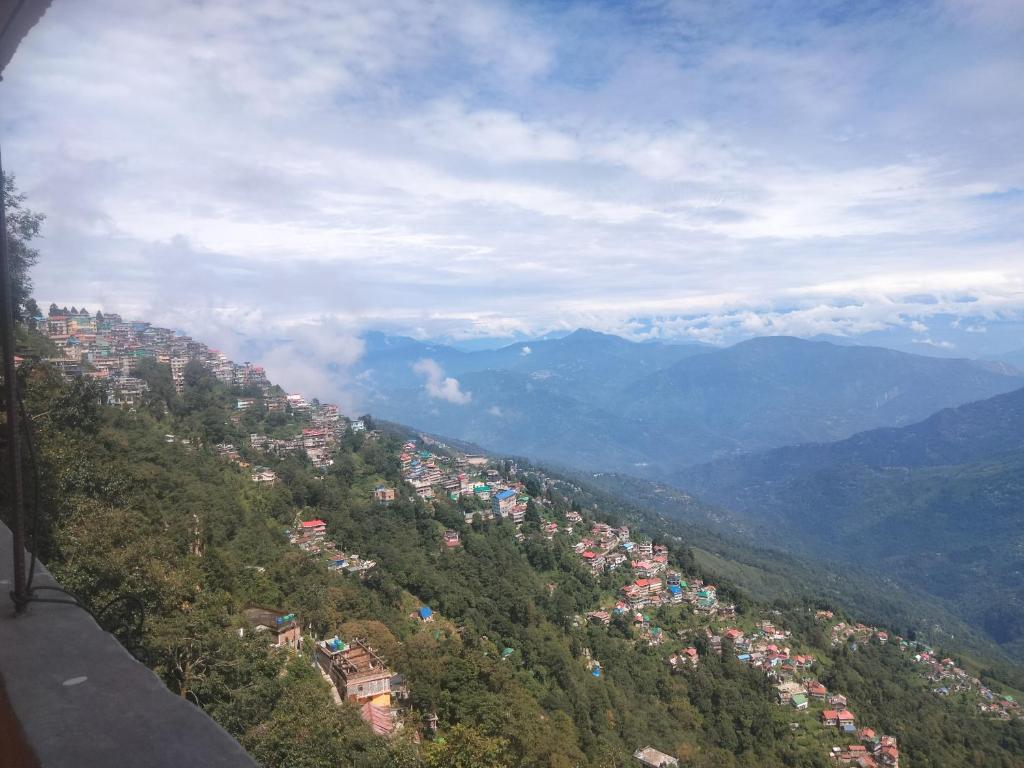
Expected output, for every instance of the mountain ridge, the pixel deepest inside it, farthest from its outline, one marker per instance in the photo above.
(671, 404)
(938, 504)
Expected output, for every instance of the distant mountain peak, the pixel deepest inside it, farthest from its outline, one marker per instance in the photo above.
(589, 333)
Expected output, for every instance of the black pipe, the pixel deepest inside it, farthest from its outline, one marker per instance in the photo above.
(17, 491)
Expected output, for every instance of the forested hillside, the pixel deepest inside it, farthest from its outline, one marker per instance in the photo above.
(937, 505)
(140, 503)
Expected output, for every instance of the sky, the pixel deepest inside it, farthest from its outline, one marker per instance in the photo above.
(671, 170)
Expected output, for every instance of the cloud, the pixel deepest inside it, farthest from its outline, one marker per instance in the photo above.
(525, 351)
(495, 410)
(440, 386)
(707, 169)
(932, 343)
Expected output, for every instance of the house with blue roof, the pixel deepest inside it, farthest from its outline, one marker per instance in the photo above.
(503, 501)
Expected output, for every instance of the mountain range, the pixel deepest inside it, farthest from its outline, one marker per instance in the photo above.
(597, 401)
(904, 467)
(938, 505)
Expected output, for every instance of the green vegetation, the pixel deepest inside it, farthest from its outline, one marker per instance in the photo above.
(935, 506)
(23, 226)
(129, 512)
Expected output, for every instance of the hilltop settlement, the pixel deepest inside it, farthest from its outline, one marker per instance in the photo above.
(645, 585)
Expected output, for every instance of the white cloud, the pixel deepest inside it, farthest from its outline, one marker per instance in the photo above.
(928, 342)
(440, 386)
(525, 351)
(389, 163)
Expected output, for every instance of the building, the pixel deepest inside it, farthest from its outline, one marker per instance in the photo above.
(502, 502)
(816, 690)
(787, 691)
(451, 538)
(264, 476)
(316, 527)
(841, 718)
(383, 494)
(283, 627)
(653, 758)
(127, 392)
(359, 674)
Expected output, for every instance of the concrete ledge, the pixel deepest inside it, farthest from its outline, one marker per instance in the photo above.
(76, 698)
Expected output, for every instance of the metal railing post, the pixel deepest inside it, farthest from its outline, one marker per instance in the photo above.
(15, 487)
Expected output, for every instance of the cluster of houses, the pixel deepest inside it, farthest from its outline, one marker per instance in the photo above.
(651, 582)
(107, 348)
(767, 649)
(356, 672)
(317, 441)
(463, 475)
(948, 679)
(764, 649)
(853, 633)
(311, 536)
(354, 669)
(260, 475)
(872, 752)
(943, 673)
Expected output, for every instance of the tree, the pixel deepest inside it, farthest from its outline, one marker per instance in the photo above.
(465, 747)
(161, 395)
(32, 311)
(22, 227)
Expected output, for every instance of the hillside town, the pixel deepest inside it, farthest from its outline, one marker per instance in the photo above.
(643, 584)
(646, 583)
(107, 349)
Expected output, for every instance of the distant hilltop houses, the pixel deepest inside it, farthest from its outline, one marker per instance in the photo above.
(109, 350)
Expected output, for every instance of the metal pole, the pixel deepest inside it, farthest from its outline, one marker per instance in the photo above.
(17, 491)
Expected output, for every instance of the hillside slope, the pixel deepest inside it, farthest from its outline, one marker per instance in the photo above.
(504, 664)
(775, 391)
(939, 505)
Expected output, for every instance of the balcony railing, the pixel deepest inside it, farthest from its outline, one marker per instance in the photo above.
(71, 695)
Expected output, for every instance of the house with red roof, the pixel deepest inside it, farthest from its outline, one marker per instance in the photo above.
(838, 718)
(314, 527)
(816, 690)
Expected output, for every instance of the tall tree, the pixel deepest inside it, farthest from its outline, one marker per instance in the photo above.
(23, 226)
